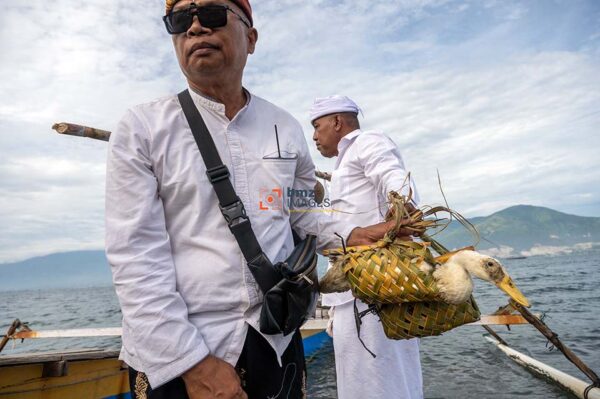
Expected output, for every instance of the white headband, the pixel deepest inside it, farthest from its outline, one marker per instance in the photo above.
(332, 105)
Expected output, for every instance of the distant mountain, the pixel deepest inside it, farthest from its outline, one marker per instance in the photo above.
(61, 270)
(518, 230)
(526, 230)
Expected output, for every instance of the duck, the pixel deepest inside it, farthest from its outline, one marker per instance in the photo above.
(452, 273)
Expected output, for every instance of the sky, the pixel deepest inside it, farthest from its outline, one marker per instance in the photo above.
(501, 97)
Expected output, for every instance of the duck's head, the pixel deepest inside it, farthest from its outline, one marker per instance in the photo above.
(489, 269)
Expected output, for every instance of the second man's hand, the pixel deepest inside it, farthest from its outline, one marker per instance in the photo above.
(371, 234)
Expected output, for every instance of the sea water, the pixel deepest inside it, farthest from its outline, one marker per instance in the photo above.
(458, 364)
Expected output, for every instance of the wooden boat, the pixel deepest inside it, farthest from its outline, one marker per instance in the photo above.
(92, 374)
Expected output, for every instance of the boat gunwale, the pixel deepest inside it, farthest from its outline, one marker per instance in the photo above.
(64, 355)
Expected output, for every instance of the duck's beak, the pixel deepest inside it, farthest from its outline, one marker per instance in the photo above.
(507, 285)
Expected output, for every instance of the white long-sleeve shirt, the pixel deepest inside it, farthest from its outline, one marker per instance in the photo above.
(183, 285)
(369, 166)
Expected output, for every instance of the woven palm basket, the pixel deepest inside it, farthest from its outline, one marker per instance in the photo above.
(388, 273)
(424, 319)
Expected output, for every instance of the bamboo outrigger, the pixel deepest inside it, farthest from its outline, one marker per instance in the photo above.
(99, 374)
(569, 383)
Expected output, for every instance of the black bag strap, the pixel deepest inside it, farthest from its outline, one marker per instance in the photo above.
(230, 204)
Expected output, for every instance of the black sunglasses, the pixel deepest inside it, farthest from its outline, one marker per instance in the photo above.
(211, 16)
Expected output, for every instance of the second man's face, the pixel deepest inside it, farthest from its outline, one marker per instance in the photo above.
(326, 136)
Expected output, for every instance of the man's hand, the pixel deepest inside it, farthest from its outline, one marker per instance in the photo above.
(371, 234)
(213, 378)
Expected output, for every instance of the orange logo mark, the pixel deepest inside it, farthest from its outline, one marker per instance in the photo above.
(270, 199)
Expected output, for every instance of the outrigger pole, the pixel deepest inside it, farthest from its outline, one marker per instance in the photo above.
(553, 338)
(26, 333)
(592, 391)
(579, 388)
(9, 334)
(72, 129)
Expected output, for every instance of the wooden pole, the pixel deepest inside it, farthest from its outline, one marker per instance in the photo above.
(11, 330)
(72, 129)
(553, 337)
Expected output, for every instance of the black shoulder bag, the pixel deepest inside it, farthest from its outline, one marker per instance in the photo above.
(290, 288)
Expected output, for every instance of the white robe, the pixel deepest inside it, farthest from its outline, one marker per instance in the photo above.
(369, 165)
(395, 372)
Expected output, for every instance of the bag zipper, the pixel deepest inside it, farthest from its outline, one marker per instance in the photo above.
(311, 268)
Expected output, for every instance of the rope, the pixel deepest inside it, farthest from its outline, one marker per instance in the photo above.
(358, 319)
(343, 242)
(587, 390)
(552, 336)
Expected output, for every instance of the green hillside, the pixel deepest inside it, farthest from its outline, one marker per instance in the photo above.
(522, 227)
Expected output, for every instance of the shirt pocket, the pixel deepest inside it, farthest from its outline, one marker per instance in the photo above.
(281, 172)
(274, 180)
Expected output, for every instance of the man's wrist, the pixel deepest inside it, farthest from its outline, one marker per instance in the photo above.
(196, 370)
(354, 236)
(350, 233)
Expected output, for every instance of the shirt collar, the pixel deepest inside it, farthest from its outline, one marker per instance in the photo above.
(347, 140)
(344, 144)
(204, 101)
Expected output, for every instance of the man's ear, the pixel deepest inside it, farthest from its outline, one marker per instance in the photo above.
(252, 39)
(338, 122)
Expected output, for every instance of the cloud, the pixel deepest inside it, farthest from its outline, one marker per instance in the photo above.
(539, 250)
(503, 102)
(558, 250)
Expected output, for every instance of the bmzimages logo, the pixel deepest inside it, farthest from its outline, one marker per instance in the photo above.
(276, 199)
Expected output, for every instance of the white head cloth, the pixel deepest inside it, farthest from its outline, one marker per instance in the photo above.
(332, 105)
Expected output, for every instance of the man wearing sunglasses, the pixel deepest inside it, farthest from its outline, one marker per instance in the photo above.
(190, 304)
